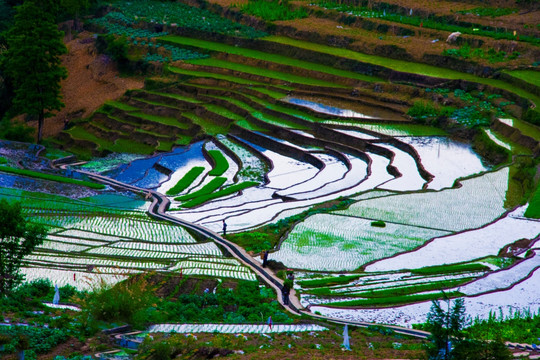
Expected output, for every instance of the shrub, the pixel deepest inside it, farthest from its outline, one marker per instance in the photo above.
(423, 112)
(378, 223)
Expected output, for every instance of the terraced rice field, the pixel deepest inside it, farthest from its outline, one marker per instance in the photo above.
(257, 134)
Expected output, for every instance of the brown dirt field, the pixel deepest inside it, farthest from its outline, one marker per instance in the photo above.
(90, 83)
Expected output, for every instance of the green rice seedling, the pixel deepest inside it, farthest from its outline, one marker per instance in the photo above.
(215, 195)
(186, 180)
(221, 163)
(213, 185)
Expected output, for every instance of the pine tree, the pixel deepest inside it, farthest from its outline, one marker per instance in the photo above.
(18, 238)
(33, 63)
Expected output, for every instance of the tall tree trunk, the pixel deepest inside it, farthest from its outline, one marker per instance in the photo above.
(40, 126)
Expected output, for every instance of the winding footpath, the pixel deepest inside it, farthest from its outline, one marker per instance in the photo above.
(158, 208)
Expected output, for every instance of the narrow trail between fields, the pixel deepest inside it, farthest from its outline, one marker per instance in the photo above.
(158, 208)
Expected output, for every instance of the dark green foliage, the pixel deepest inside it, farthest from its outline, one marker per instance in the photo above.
(38, 340)
(221, 164)
(32, 61)
(273, 10)
(522, 327)
(217, 194)
(493, 152)
(213, 185)
(445, 325)
(423, 112)
(15, 132)
(38, 175)
(378, 223)
(470, 349)
(186, 180)
(117, 48)
(533, 210)
(532, 116)
(18, 238)
(245, 304)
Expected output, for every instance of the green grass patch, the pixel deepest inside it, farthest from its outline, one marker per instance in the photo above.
(121, 105)
(206, 74)
(175, 96)
(57, 178)
(186, 180)
(263, 72)
(533, 210)
(260, 55)
(217, 194)
(530, 76)
(209, 127)
(221, 163)
(450, 269)
(274, 94)
(397, 300)
(342, 279)
(212, 186)
(3, 160)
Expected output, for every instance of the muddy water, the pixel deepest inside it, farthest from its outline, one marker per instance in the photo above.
(344, 108)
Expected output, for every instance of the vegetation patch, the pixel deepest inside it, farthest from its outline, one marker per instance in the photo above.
(217, 194)
(533, 210)
(393, 301)
(57, 178)
(273, 10)
(337, 280)
(450, 269)
(186, 180)
(213, 185)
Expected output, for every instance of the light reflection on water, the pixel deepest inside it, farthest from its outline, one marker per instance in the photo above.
(327, 109)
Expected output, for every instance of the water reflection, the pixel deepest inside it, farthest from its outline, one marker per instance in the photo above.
(327, 109)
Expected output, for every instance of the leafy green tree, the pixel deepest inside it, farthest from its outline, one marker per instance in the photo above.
(18, 238)
(33, 63)
(445, 327)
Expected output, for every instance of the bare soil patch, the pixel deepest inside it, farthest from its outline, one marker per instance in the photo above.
(92, 80)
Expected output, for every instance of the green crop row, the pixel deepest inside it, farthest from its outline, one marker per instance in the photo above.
(221, 164)
(186, 180)
(450, 269)
(342, 279)
(226, 191)
(38, 175)
(213, 185)
(397, 300)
